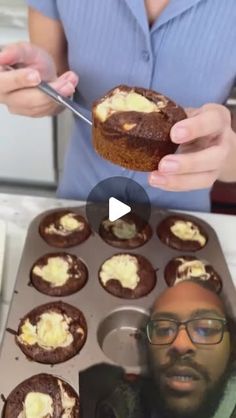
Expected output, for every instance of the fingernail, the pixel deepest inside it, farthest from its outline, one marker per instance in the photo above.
(179, 133)
(33, 76)
(68, 85)
(66, 89)
(156, 180)
(168, 166)
(70, 76)
(71, 85)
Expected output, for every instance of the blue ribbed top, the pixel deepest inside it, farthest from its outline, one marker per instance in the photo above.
(189, 55)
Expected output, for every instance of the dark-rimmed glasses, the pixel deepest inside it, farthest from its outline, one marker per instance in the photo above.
(200, 330)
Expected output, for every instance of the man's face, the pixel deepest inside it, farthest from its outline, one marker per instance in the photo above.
(186, 373)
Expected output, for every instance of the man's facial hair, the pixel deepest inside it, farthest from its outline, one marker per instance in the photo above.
(209, 405)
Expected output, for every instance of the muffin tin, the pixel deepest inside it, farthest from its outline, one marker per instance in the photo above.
(114, 325)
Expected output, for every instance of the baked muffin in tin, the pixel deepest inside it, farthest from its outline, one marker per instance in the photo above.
(58, 274)
(131, 127)
(52, 333)
(42, 395)
(130, 231)
(189, 267)
(182, 233)
(128, 276)
(64, 228)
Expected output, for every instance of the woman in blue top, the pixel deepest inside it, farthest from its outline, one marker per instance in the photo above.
(184, 49)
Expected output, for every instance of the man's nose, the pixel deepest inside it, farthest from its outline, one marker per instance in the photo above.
(182, 342)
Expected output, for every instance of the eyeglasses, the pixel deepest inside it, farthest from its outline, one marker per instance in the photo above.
(200, 330)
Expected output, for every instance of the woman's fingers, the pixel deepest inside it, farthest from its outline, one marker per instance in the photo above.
(203, 151)
(13, 80)
(210, 119)
(183, 182)
(18, 87)
(195, 162)
(18, 79)
(33, 102)
(28, 55)
(68, 77)
(19, 53)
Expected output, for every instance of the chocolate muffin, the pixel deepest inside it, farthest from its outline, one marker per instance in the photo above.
(52, 333)
(189, 267)
(64, 229)
(131, 127)
(58, 274)
(130, 231)
(42, 395)
(182, 233)
(128, 276)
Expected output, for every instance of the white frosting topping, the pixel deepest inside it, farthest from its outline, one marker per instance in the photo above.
(121, 267)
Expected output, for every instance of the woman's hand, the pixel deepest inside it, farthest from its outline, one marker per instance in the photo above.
(205, 141)
(17, 87)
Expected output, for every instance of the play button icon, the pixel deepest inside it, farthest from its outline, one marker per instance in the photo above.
(117, 209)
(113, 198)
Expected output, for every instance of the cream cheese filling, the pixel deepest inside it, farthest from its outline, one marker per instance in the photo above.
(37, 405)
(126, 101)
(68, 402)
(193, 268)
(40, 405)
(56, 271)
(68, 223)
(187, 231)
(121, 267)
(121, 229)
(50, 332)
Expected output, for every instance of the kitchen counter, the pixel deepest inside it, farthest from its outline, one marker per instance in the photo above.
(18, 211)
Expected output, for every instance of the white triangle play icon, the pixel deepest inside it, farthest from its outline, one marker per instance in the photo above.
(117, 209)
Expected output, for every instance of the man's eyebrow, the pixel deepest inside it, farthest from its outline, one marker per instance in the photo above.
(166, 315)
(194, 314)
(206, 312)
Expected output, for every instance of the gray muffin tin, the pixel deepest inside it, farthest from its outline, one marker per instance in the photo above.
(112, 322)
